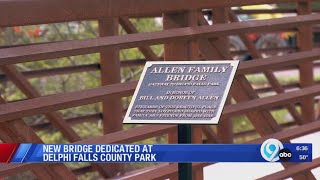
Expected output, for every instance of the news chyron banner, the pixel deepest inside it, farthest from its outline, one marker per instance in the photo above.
(271, 150)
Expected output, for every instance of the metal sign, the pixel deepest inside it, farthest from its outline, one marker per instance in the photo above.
(181, 92)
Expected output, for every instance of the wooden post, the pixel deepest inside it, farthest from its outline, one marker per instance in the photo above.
(305, 42)
(185, 137)
(224, 128)
(177, 51)
(110, 74)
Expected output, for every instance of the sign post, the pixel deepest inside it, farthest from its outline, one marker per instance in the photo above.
(183, 93)
(184, 137)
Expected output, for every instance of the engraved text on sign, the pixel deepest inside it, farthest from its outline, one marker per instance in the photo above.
(181, 92)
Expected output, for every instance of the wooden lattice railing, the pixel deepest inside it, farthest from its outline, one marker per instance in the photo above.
(187, 35)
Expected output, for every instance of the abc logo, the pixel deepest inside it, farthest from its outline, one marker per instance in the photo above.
(270, 150)
(285, 154)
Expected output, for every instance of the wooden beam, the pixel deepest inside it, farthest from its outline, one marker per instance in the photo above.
(130, 29)
(67, 100)
(144, 132)
(268, 73)
(273, 82)
(23, 84)
(271, 101)
(293, 170)
(17, 131)
(71, 121)
(131, 135)
(284, 135)
(55, 118)
(74, 69)
(210, 135)
(78, 47)
(13, 168)
(276, 62)
(241, 89)
(305, 42)
(166, 172)
(19, 12)
(140, 62)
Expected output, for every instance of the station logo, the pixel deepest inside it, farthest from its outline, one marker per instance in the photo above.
(272, 150)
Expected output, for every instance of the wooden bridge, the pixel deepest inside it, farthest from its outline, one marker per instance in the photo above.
(187, 35)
